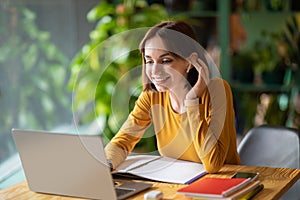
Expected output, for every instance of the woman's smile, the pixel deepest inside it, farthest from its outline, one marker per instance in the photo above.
(160, 80)
(163, 68)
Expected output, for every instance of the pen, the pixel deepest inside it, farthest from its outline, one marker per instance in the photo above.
(143, 164)
(195, 178)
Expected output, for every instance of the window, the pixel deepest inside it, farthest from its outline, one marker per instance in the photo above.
(38, 41)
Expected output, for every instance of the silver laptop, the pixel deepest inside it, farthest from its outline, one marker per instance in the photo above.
(70, 165)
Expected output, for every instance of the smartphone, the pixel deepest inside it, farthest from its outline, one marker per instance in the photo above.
(253, 176)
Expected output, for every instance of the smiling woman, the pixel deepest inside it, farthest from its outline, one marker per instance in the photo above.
(190, 107)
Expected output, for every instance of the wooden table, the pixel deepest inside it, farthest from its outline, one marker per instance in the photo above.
(276, 182)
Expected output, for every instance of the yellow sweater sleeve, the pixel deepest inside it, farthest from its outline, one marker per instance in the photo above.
(131, 131)
(212, 123)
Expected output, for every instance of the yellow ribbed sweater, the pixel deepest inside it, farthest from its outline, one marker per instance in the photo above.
(205, 133)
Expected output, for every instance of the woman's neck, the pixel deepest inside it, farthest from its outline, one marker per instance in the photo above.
(177, 97)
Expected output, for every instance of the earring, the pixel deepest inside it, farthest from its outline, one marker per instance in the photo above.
(188, 68)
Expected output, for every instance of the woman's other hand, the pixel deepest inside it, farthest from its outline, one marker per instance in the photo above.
(203, 77)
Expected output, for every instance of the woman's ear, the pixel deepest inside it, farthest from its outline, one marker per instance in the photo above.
(193, 57)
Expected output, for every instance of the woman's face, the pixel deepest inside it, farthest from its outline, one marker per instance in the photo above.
(164, 69)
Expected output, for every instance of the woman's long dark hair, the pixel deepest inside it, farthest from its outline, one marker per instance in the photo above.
(180, 39)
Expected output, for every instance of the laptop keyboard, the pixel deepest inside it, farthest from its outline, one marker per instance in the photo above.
(122, 191)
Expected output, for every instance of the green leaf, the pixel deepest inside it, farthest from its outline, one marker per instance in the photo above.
(30, 57)
(28, 14)
(100, 11)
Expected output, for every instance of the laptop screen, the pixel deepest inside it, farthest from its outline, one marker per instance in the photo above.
(65, 164)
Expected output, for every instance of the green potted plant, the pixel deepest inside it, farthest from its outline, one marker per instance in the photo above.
(268, 63)
(291, 39)
(94, 72)
(32, 75)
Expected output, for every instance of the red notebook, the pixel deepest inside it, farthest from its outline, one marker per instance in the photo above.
(214, 187)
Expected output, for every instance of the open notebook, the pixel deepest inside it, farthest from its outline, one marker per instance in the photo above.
(160, 168)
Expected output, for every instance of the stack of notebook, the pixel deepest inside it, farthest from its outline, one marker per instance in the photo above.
(222, 188)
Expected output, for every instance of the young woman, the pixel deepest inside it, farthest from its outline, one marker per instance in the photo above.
(190, 108)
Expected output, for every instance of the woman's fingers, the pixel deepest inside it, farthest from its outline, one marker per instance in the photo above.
(204, 73)
(203, 79)
(202, 70)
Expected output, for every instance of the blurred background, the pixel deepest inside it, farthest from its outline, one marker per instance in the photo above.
(49, 49)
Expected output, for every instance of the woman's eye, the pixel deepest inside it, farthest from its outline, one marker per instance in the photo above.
(148, 61)
(166, 60)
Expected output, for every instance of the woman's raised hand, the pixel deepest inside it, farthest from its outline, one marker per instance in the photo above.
(203, 77)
